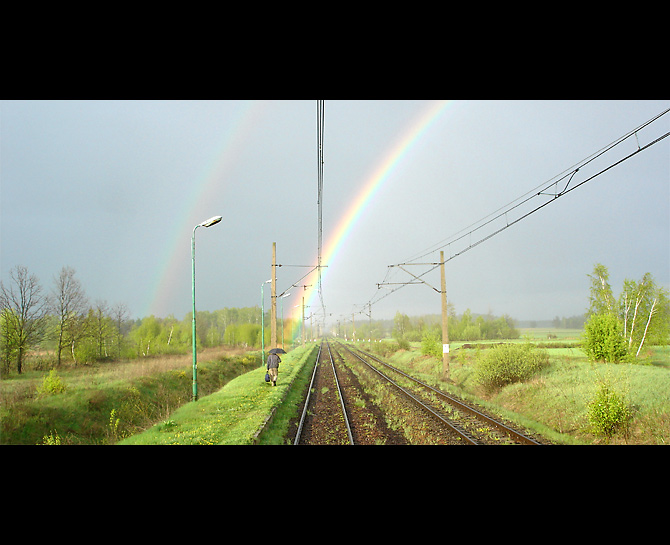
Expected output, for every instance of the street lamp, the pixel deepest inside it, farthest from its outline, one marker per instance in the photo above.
(263, 321)
(208, 223)
(282, 317)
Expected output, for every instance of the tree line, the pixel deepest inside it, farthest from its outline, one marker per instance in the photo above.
(65, 324)
(464, 328)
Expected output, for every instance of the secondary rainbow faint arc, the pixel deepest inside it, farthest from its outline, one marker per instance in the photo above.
(376, 180)
(177, 250)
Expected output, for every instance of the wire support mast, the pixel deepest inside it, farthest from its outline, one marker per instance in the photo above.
(543, 190)
(319, 201)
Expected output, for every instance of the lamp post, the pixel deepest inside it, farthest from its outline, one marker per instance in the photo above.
(282, 317)
(208, 223)
(263, 321)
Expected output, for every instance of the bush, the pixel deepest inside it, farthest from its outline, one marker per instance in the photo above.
(603, 340)
(403, 344)
(608, 411)
(430, 345)
(51, 385)
(509, 363)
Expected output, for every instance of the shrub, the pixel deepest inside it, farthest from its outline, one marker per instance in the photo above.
(608, 411)
(51, 385)
(602, 339)
(403, 344)
(508, 363)
(430, 345)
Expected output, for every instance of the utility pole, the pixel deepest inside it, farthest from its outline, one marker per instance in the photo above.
(445, 320)
(303, 320)
(273, 298)
(370, 323)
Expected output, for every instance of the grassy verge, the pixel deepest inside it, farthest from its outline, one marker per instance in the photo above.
(277, 432)
(107, 402)
(231, 416)
(555, 402)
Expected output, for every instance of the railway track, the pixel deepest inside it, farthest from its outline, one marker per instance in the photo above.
(462, 422)
(324, 419)
(356, 398)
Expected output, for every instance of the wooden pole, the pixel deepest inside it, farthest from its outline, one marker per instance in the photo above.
(445, 320)
(303, 320)
(273, 298)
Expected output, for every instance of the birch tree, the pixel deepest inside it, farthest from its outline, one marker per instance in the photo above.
(24, 308)
(120, 314)
(601, 299)
(68, 303)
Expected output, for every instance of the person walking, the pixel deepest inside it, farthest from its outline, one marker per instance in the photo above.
(273, 367)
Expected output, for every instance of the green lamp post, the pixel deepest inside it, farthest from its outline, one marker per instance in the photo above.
(208, 223)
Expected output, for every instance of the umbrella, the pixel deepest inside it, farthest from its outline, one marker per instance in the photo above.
(277, 351)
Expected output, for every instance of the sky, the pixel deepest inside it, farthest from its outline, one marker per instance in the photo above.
(114, 190)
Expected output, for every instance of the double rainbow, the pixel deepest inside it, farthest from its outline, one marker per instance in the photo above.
(174, 255)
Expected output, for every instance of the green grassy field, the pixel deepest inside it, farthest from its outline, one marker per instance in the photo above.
(148, 403)
(103, 403)
(234, 415)
(555, 402)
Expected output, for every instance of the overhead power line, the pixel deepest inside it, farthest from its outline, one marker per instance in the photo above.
(558, 186)
(319, 164)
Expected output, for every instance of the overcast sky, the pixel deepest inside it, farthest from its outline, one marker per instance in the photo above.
(114, 189)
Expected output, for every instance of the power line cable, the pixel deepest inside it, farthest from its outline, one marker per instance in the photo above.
(319, 161)
(533, 194)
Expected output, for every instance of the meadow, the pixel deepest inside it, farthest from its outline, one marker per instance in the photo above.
(555, 401)
(103, 403)
(147, 401)
(237, 414)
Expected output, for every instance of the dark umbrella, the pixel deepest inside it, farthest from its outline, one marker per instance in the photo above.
(277, 351)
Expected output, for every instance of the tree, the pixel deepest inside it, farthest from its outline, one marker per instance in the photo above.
(100, 327)
(68, 303)
(643, 307)
(120, 314)
(401, 325)
(601, 299)
(602, 340)
(642, 315)
(24, 308)
(7, 340)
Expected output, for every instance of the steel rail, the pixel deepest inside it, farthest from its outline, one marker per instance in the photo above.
(449, 424)
(339, 393)
(309, 393)
(459, 404)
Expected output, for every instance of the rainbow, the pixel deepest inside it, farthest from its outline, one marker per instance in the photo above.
(175, 256)
(374, 182)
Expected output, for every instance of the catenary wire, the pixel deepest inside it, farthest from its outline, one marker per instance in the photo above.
(533, 193)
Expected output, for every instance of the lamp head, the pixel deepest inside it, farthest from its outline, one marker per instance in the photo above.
(211, 221)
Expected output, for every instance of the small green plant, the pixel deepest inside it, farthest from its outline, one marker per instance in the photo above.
(603, 339)
(52, 439)
(114, 424)
(167, 425)
(509, 363)
(608, 411)
(51, 385)
(430, 345)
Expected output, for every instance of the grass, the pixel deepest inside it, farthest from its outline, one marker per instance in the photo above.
(148, 401)
(234, 415)
(136, 393)
(555, 401)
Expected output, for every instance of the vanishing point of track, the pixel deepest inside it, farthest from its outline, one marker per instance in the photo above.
(356, 398)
